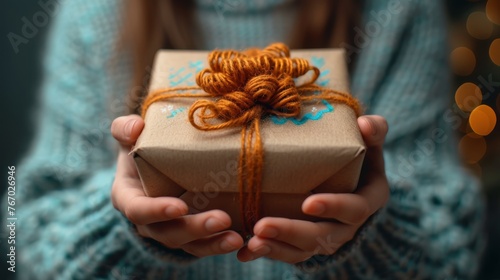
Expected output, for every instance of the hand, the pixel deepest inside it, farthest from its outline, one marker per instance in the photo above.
(164, 219)
(293, 241)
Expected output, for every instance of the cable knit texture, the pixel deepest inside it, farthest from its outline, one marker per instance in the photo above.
(68, 228)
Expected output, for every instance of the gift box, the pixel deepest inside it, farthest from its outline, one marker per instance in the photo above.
(318, 151)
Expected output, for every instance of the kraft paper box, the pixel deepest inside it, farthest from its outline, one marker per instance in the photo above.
(319, 152)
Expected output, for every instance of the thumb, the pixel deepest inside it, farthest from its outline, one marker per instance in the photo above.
(126, 129)
(373, 129)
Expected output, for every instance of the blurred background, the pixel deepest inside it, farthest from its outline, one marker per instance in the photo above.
(475, 57)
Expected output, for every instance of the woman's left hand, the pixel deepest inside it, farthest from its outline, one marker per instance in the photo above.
(293, 241)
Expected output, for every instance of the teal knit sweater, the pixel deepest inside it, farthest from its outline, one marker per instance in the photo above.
(68, 228)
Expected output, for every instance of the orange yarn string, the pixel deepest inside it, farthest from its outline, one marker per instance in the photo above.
(247, 86)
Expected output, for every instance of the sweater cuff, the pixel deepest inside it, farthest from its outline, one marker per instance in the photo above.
(321, 262)
(154, 248)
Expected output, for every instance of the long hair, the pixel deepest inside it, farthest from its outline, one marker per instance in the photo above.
(151, 25)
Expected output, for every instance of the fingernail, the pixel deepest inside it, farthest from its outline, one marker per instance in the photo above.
(173, 211)
(268, 232)
(128, 127)
(317, 208)
(213, 225)
(262, 251)
(229, 244)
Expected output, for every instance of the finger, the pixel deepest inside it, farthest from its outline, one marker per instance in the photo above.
(126, 129)
(376, 192)
(177, 232)
(352, 209)
(126, 167)
(143, 210)
(373, 129)
(259, 247)
(216, 244)
(319, 237)
(140, 209)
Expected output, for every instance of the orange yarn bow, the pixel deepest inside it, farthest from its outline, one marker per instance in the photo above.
(247, 86)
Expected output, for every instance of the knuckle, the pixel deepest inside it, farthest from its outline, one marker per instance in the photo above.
(131, 214)
(147, 231)
(143, 231)
(115, 203)
(114, 196)
(361, 216)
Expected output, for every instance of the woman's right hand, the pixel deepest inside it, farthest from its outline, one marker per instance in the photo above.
(165, 219)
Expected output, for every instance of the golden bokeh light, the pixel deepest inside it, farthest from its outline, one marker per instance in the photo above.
(472, 148)
(468, 96)
(483, 120)
(493, 11)
(495, 51)
(463, 61)
(479, 26)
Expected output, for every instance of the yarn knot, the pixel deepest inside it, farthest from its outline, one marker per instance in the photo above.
(249, 85)
(261, 95)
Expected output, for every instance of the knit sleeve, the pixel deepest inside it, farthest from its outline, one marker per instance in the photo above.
(67, 226)
(431, 226)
